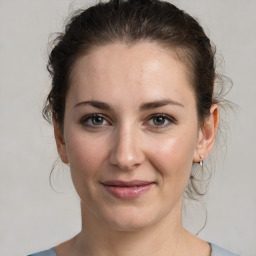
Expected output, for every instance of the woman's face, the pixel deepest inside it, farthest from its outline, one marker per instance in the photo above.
(130, 134)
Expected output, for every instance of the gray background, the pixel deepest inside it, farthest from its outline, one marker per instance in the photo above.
(32, 215)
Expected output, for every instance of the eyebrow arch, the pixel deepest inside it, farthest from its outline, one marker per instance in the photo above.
(158, 104)
(94, 103)
(143, 107)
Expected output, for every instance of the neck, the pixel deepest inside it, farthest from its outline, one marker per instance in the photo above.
(165, 237)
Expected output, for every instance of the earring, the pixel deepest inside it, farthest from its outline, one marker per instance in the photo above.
(201, 163)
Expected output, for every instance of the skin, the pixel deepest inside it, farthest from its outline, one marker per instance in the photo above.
(127, 142)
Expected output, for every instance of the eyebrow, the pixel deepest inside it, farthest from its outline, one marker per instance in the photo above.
(158, 104)
(143, 107)
(94, 103)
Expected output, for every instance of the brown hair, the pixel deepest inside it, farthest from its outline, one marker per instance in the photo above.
(130, 22)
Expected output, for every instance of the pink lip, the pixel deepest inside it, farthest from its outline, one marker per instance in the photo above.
(127, 189)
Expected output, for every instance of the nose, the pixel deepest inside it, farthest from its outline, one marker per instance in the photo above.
(126, 152)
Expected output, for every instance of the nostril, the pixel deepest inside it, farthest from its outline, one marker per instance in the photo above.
(125, 161)
(126, 150)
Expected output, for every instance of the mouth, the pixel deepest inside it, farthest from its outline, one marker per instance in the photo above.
(127, 189)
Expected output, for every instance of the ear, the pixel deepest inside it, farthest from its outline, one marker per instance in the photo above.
(207, 135)
(60, 143)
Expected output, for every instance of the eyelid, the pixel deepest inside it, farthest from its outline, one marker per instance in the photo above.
(163, 115)
(93, 115)
(171, 120)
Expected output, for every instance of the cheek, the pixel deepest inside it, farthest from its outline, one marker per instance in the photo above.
(172, 156)
(86, 159)
(86, 156)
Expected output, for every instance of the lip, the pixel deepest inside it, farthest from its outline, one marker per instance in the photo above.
(127, 189)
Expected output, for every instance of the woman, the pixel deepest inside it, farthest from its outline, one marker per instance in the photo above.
(133, 108)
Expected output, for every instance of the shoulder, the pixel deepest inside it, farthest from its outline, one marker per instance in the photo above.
(50, 252)
(218, 251)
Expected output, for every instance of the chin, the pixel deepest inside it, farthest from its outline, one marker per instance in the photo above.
(129, 226)
(130, 219)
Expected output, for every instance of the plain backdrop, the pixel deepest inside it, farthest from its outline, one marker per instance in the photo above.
(33, 216)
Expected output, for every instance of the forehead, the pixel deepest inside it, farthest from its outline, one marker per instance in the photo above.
(143, 70)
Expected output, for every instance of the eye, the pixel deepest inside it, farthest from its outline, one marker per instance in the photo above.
(159, 121)
(94, 120)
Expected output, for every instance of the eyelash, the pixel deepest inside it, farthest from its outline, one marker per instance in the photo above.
(89, 118)
(169, 119)
(85, 120)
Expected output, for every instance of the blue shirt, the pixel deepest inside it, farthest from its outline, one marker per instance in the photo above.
(216, 251)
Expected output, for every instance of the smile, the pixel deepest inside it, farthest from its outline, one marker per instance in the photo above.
(127, 190)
